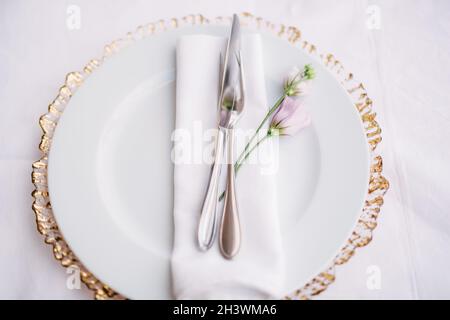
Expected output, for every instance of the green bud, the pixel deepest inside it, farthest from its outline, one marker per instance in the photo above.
(309, 72)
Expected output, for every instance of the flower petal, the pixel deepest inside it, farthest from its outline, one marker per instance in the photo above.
(290, 118)
(286, 109)
(298, 121)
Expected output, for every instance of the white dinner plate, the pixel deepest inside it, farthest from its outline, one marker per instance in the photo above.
(111, 177)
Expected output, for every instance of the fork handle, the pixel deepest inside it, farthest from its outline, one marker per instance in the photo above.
(230, 230)
(208, 219)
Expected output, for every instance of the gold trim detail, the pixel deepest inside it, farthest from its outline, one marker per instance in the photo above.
(378, 185)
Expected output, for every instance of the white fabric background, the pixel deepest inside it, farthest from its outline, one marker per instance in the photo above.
(404, 65)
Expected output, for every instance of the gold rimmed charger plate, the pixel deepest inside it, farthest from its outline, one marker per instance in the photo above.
(378, 185)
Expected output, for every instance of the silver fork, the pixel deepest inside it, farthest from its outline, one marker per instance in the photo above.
(231, 103)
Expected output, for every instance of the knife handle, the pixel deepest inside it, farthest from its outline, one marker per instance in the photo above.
(208, 219)
(230, 230)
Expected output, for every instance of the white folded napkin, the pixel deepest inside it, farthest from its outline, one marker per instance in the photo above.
(257, 271)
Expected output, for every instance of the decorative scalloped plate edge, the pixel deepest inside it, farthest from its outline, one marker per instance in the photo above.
(378, 185)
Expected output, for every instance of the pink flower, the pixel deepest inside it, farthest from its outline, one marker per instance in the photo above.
(289, 119)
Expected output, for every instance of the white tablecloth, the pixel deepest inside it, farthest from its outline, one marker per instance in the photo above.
(399, 49)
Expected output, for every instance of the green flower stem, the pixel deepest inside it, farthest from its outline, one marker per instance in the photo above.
(238, 164)
(269, 113)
